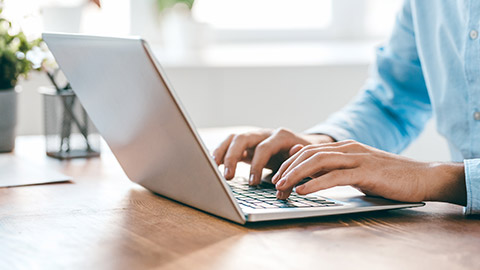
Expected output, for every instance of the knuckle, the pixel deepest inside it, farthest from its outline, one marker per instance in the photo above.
(351, 144)
(320, 156)
(309, 147)
(309, 152)
(294, 172)
(239, 137)
(262, 147)
(288, 181)
(347, 147)
(354, 143)
(282, 131)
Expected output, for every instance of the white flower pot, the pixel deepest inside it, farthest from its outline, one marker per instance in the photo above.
(8, 118)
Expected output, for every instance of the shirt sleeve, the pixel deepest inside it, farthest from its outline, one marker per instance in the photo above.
(392, 108)
(472, 183)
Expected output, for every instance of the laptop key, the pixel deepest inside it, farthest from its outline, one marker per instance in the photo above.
(264, 197)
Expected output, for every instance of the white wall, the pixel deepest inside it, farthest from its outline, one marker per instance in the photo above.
(293, 97)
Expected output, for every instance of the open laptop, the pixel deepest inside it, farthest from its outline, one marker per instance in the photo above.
(129, 99)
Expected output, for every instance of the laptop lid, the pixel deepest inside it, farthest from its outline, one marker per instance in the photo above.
(125, 92)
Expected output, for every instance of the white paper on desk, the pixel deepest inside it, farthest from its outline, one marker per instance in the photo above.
(15, 171)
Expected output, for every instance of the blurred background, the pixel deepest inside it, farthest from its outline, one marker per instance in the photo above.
(267, 63)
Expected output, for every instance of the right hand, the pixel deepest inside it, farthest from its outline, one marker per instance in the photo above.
(264, 148)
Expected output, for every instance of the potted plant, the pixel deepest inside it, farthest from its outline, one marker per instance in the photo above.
(14, 63)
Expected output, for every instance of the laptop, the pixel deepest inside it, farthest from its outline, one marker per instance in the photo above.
(127, 95)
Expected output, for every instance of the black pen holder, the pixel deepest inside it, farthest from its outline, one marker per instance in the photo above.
(69, 132)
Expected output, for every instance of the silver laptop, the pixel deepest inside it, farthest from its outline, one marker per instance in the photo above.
(126, 93)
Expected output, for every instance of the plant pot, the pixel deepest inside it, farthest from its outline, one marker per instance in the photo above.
(8, 118)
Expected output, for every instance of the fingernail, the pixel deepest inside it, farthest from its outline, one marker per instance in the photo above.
(252, 178)
(280, 195)
(299, 188)
(226, 172)
(280, 183)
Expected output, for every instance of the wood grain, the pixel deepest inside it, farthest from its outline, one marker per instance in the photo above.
(103, 221)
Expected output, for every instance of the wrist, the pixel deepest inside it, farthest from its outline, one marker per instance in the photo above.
(447, 183)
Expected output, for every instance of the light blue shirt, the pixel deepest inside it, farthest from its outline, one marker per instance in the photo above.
(429, 66)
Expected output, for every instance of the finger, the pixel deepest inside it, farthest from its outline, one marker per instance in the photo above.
(221, 150)
(292, 152)
(319, 162)
(234, 154)
(295, 149)
(283, 195)
(263, 153)
(331, 179)
(302, 155)
(340, 147)
(286, 164)
(240, 143)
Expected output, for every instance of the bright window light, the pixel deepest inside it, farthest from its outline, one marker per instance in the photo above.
(264, 14)
(69, 16)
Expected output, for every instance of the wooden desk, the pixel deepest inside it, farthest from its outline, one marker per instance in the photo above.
(103, 221)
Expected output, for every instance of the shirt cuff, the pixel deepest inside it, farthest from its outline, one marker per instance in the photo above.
(472, 183)
(337, 133)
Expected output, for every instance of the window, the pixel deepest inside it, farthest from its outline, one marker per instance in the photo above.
(35, 16)
(228, 20)
(286, 20)
(264, 14)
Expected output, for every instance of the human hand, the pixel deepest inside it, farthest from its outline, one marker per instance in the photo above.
(372, 171)
(264, 148)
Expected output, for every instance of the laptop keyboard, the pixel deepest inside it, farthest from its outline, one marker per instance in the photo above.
(264, 196)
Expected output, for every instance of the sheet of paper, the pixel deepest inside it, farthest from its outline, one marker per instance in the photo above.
(15, 171)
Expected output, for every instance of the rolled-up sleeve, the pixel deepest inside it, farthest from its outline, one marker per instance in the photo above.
(472, 183)
(394, 105)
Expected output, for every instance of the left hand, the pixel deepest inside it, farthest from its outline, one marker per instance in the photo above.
(370, 170)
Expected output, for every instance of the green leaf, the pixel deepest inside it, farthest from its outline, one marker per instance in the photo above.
(14, 48)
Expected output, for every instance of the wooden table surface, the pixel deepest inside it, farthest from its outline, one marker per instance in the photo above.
(103, 221)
